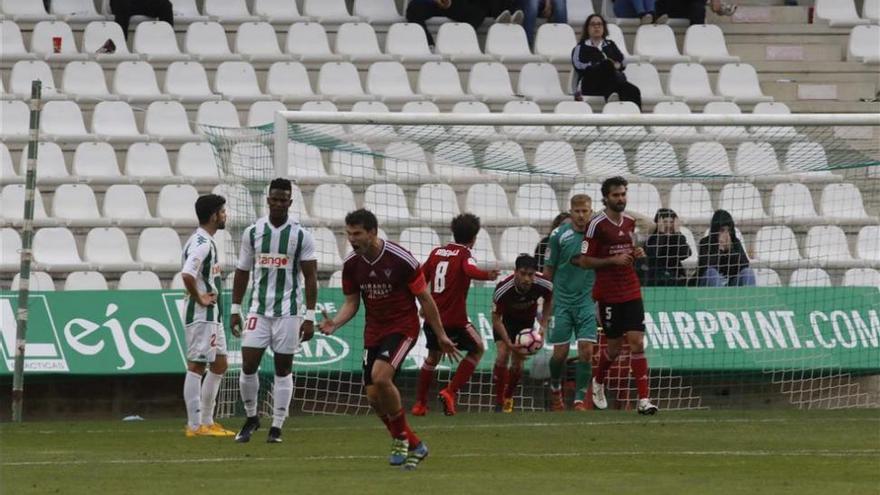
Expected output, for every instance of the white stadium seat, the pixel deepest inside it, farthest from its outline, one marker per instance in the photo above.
(135, 81)
(76, 205)
(406, 162)
(739, 82)
(643, 198)
(775, 244)
(555, 41)
(147, 162)
(536, 202)
(229, 11)
(491, 82)
(10, 255)
(55, 250)
(304, 161)
(159, 249)
(257, 42)
(483, 250)
(239, 206)
(388, 202)
(407, 42)
(868, 243)
(206, 41)
(107, 249)
(335, 130)
(84, 81)
(517, 240)
(656, 44)
(842, 201)
(167, 121)
(389, 82)
(809, 277)
(97, 33)
(690, 82)
(864, 44)
(378, 11)
(96, 161)
(767, 277)
(7, 170)
(237, 82)
(871, 10)
(326, 249)
(806, 157)
(572, 107)
(218, 113)
(615, 34)
(756, 159)
(556, 157)
(436, 203)
(705, 44)
(645, 76)
(357, 162)
(157, 42)
(440, 81)
(114, 121)
(791, 200)
(12, 202)
(197, 161)
(489, 202)
(839, 13)
(861, 277)
(691, 202)
(453, 161)
(13, 43)
(290, 82)
(175, 204)
(278, 11)
(591, 189)
(51, 166)
(524, 132)
(328, 11)
(724, 133)
(578, 11)
(24, 72)
(457, 42)
(773, 133)
(540, 83)
(656, 159)
(75, 10)
(708, 159)
(39, 281)
(419, 241)
(307, 41)
(63, 121)
(604, 159)
(339, 82)
(508, 43)
(473, 131)
(827, 243)
(186, 11)
(85, 281)
(42, 41)
(188, 82)
(331, 202)
(357, 42)
(743, 201)
(505, 156)
(139, 280)
(126, 205)
(622, 132)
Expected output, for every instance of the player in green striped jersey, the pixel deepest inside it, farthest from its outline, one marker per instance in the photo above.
(205, 338)
(275, 250)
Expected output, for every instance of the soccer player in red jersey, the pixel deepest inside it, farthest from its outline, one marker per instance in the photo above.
(515, 306)
(449, 271)
(609, 248)
(388, 279)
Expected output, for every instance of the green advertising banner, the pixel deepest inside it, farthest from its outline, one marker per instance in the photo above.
(736, 329)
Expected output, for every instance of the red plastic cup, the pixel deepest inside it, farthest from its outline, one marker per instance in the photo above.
(56, 44)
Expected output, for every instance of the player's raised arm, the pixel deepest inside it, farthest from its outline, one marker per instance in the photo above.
(474, 272)
(432, 316)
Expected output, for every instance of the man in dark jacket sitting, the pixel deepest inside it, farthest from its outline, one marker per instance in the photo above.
(665, 249)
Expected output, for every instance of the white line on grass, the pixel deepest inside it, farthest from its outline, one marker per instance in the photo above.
(476, 426)
(617, 453)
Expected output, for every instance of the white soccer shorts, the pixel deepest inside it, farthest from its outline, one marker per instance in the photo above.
(281, 334)
(205, 340)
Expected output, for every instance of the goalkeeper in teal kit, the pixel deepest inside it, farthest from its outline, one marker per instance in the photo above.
(574, 314)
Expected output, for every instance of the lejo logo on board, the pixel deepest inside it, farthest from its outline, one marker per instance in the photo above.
(272, 260)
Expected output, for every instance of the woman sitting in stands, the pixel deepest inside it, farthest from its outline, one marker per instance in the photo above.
(599, 65)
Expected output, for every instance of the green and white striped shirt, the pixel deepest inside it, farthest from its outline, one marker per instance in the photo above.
(272, 255)
(200, 261)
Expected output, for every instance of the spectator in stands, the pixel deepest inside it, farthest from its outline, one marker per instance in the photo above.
(599, 65)
(665, 249)
(723, 261)
(470, 11)
(541, 248)
(552, 10)
(693, 10)
(123, 10)
(631, 9)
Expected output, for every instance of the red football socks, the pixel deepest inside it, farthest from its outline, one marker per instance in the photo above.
(499, 376)
(638, 365)
(599, 372)
(465, 369)
(426, 379)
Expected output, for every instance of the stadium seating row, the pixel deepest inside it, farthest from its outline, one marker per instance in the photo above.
(136, 81)
(158, 249)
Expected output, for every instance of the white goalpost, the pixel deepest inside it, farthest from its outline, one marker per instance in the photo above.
(798, 326)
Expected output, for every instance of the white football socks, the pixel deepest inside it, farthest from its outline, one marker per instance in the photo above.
(283, 391)
(250, 387)
(191, 386)
(210, 387)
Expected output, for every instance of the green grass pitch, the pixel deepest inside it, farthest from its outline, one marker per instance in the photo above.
(701, 452)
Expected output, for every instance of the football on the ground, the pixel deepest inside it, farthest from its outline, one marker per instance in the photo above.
(530, 339)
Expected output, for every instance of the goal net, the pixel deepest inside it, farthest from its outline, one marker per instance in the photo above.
(775, 302)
